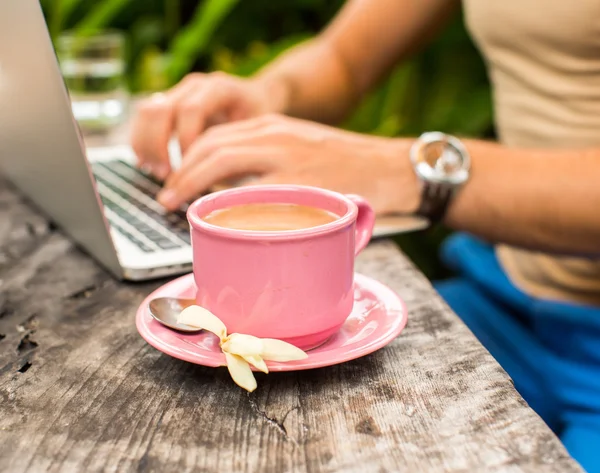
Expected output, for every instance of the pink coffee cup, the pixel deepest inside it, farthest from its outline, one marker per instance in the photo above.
(295, 286)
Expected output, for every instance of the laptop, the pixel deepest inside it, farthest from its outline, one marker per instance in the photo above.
(96, 195)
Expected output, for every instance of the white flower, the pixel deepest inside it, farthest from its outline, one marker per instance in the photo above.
(241, 350)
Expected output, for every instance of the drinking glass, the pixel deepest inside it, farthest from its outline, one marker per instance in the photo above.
(93, 67)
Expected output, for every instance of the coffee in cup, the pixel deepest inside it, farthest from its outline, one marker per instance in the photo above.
(269, 217)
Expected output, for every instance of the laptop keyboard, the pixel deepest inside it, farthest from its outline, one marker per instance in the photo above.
(129, 202)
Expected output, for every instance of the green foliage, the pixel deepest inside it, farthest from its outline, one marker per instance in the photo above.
(443, 88)
(192, 40)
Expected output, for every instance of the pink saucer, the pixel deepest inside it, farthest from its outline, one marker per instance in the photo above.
(379, 315)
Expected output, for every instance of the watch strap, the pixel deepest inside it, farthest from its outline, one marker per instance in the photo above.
(435, 198)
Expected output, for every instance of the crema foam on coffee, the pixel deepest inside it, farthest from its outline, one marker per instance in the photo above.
(270, 217)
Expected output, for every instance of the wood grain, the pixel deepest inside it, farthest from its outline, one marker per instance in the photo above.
(81, 391)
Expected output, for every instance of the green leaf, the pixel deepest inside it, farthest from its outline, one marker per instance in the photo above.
(192, 40)
(59, 12)
(144, 35)
(172, 16)
(100, 16)
(149, 75)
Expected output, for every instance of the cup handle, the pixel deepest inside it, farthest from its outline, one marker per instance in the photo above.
(365, 222)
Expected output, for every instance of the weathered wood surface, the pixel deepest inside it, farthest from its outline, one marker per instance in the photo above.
(80, 391)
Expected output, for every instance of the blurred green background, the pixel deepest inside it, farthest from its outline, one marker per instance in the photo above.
(443, 88)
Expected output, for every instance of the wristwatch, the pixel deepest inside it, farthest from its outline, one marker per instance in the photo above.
(443, 165)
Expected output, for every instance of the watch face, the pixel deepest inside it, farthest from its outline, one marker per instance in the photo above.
(440, 158)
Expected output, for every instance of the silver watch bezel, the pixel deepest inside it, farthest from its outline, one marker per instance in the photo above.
(437, 175)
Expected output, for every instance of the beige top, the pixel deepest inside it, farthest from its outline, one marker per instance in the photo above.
(544, 63)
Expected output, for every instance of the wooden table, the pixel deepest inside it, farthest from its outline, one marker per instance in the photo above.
(80, 391)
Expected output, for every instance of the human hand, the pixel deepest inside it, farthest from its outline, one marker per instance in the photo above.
(196, 103)
(279, 149)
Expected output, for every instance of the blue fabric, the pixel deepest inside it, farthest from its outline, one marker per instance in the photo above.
(550, 349)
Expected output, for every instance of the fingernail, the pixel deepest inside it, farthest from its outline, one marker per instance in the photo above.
(145, 167)
(168, 198)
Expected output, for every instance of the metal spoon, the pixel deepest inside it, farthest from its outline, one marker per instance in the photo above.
(166, 309)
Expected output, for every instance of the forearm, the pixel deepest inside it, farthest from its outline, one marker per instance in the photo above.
(539, 199)
(310, 81)
(323, 79)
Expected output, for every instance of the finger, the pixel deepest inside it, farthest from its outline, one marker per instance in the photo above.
(240, 126)
(152, 127)
(296, 178)
(223, 164)
(150, 132)
(273, 123)
(204, 146)
(322, 178)
(194, 113)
